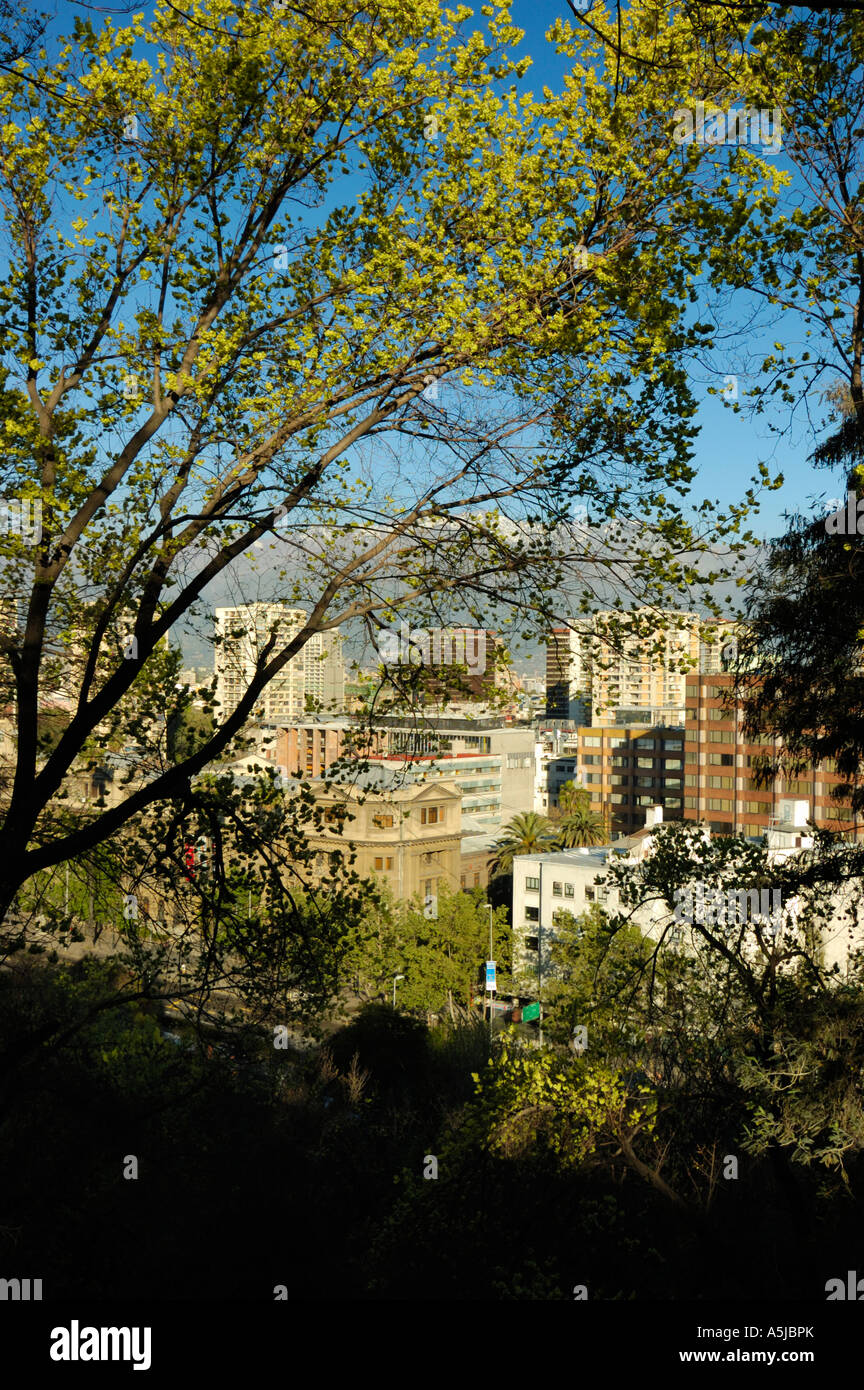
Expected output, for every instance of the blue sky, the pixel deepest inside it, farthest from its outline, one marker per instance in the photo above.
(730, 444)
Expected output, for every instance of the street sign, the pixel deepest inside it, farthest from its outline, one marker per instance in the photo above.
(490, 976)
(530, 1011)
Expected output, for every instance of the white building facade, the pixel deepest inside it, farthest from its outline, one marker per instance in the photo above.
(314, 677)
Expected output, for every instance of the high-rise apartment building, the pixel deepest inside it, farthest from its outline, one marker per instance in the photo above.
(315, 676)
(719, 768)
(641, 669)
(568, 680)
(718, 646)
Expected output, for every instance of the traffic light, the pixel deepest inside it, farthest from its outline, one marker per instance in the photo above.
(202, 854)
(189, 860)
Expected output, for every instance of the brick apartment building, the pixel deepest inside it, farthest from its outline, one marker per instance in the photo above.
(718, 780)
(625, 770)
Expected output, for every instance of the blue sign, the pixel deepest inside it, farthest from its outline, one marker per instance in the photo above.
(490, 976)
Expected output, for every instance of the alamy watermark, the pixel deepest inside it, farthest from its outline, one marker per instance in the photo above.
(21, 516)
(750, 126)
(20, 1290)
(730, 907)
(76, 1343)
(848, 517)
(438, 646)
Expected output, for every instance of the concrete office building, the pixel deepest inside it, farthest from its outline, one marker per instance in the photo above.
(491, 762)
(571, 881)
(566, 881)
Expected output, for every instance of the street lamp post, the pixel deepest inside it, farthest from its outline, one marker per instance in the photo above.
(489, 905)
(540, 956)
(395, 978)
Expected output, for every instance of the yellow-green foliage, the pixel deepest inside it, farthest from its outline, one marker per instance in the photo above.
(528, 1101)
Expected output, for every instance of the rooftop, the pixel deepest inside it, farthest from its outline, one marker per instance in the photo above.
(596, 857)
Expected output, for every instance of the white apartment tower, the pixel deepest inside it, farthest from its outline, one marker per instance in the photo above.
(315, 675)
(642, 669)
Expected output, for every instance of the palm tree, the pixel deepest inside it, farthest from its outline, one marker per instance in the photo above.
(572, 798)
(527, 833)
(580, 828)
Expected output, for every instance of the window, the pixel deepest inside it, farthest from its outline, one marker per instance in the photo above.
(569, 891)
(719, 714)
(644, 781)
(532, 943)
(556, 890)
(676, 765)
(592, 742)
(691, 803)
(673, 745)
(716, 803)
(589, 895)
(673, 803)
(461, 880)
(476, 880)
(532, 885)
(532, 914)
(431, 815)
(383, 822)
(619, 798)
(719, 781)
(645, 742)
(721, 736)
(645, 762)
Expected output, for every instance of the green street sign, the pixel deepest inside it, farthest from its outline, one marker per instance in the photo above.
(530, 1011)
